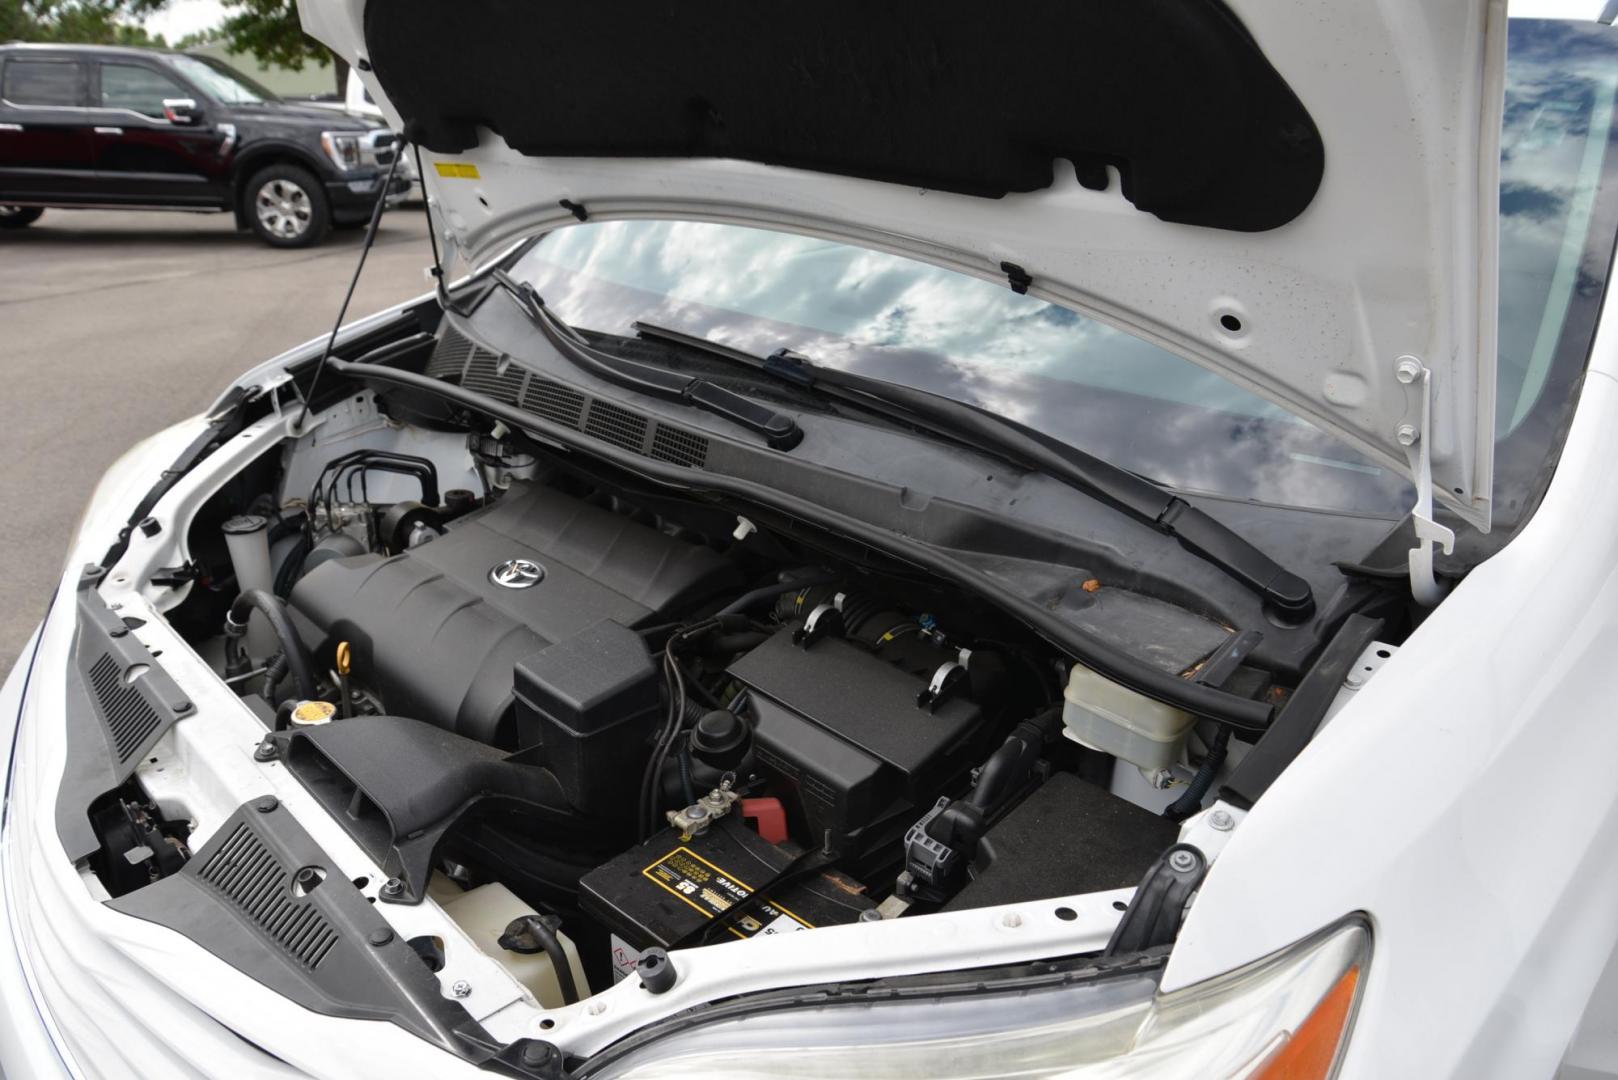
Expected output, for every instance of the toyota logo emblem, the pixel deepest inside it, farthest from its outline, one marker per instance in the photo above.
(517, 574)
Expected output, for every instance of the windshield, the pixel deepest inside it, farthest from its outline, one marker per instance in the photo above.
(1108, 393)
(221, 81)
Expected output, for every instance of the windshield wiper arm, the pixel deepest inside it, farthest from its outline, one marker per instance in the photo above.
(1198, 532)
(786, 366)
(780, 431)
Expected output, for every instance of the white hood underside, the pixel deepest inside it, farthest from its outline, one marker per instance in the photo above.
(1394, 258)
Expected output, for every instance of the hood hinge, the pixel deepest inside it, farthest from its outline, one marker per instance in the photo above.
(1424, 585)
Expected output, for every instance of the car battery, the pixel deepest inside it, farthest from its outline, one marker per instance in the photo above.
(663, 892)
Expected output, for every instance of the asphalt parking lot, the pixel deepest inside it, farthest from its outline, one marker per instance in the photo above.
(115, 325)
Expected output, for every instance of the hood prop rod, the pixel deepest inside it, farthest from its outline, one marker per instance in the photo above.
(342, 312)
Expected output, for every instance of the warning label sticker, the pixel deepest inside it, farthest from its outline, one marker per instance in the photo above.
(624, 958)
(712, 891)
(457, 170)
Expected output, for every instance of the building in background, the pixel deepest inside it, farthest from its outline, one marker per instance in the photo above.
(312, 80)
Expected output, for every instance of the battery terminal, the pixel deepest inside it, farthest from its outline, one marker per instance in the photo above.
(694, 820)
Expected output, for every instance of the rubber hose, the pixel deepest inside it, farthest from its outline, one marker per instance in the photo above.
(725, 644)
(564, 970)
(275, 613)
(283, 714)
(792, 580)
(995, 774)
(274, 672)
(693, 711)
(541, 929)
(686, 784)
(1012, 762)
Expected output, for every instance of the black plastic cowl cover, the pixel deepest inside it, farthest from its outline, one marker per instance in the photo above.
(953, 95)
(327, 949)
(120, 701)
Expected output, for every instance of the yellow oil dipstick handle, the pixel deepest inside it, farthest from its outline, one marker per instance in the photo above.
(345, 663)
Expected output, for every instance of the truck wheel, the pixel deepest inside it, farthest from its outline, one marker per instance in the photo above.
(18, 217)
(287, 207)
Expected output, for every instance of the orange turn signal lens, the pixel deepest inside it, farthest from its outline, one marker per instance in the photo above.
(1310, 1052)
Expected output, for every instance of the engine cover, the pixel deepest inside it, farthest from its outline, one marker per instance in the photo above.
(440, 628)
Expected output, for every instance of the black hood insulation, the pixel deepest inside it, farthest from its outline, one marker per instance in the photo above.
(951, 95)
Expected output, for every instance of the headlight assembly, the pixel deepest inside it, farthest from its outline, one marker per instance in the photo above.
(344, 148)
(1286, 1016)
(350, 150)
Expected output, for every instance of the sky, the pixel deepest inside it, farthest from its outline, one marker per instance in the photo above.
(183, 17)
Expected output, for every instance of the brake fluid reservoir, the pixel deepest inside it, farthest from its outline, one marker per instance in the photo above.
(484, 913)
(1100, 714)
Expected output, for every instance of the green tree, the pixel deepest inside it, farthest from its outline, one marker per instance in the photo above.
(95, 22)
(270, 30)
(198, 37)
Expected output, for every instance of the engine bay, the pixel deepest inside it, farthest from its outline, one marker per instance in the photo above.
(635, 724)
(594, 719)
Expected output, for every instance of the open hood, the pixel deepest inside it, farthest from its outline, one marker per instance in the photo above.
(1300, 195)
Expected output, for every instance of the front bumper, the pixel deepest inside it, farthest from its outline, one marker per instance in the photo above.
(27, 1045)
(353, 198)
(76, 995)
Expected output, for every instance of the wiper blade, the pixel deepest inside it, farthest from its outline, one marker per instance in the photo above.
(781, 432)
(653, 332)
(1203, 535)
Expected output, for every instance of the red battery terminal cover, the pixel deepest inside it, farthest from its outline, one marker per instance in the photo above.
(769, 818)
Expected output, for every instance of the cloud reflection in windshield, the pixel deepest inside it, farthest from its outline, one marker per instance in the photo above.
(896, 319)
(1100, 389)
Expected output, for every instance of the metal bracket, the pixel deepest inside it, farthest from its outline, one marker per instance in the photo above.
(172, 577)
(1209, 830)
(946, 681)
(1424, 584)
(826, 620)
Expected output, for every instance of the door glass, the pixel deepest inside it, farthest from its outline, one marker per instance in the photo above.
(139, 89)
(41, 82)
(221, 81)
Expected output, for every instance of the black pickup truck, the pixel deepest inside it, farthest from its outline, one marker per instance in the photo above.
(125, 128)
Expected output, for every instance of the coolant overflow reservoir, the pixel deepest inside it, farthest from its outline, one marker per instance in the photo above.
(1100, 714)
(484, 913)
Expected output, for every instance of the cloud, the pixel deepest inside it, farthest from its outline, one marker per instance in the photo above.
(183, 17)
